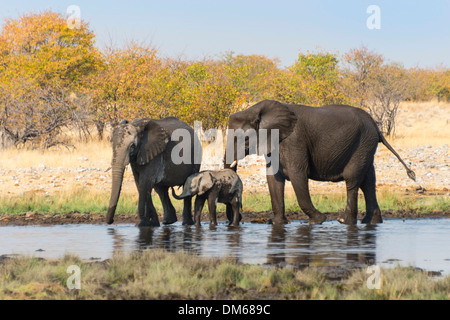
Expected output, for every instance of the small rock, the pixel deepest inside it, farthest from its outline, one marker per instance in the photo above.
(30, 215)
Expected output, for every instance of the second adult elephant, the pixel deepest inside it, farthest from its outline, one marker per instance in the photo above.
(147, 146)
(330, 143)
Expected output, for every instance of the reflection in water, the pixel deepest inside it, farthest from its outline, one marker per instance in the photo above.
(314, 246)
(301, 245)
(423, 243)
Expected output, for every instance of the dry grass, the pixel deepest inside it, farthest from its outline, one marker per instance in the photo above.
(424, 123)
(98, 151)
(157, 274)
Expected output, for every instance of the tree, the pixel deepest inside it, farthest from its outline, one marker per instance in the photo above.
(390, 86)
(313, 79)
(42, 61)
(376, 86)
(120, 87)
(209, 93)
(361, 67)
(252, 75)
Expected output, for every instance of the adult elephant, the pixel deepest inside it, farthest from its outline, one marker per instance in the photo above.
(147, 145)
(329, 143)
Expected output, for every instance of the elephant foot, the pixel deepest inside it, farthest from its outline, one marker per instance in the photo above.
(197, 223)
(347, 220)
(188, 222)
(148, 223)
(213, 223)
(280, 220)
(317, 218)
(232, 224)
(169, 220)
(371, 220)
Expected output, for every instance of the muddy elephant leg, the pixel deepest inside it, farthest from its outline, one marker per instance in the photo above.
(351, 211)
(212, 206)
(147, 212)
(229, 212)
(301, 188)
(170, 215)
(198, 207)
(235, 205)
(187, 212)
(368, 187)
(276, 189)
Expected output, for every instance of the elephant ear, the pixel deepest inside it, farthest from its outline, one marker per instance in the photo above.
(206, 182)
(153, 140)
(275, 115)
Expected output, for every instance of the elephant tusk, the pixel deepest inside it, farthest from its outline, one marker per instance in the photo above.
(233, 164)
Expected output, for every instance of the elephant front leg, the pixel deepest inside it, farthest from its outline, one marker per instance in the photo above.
(212, 205)
(187, 212)
(170, 215)
(301, 188)
(276, 189)
(147, 211)
(198, 208)
(212, 211)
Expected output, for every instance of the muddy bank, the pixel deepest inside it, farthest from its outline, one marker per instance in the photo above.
(30, 218)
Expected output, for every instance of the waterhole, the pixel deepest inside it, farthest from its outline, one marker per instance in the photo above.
(421, 243)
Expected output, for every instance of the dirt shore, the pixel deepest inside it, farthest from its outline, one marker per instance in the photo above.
(247, 217)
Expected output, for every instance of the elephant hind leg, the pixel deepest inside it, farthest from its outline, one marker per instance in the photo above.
(368, 187)
(235, 207)
(354, 174)
(351, 210)
(229, 213)
(170, 215)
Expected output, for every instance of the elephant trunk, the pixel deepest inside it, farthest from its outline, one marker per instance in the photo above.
(186, 193)
(117, 179)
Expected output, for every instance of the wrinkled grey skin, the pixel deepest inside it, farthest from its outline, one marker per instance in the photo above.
(222, 186)
(145, 144)
(330, 143)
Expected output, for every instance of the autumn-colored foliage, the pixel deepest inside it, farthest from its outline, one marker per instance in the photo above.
(42, 64)
(53, 76)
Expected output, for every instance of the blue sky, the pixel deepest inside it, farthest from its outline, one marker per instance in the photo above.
(412, 32)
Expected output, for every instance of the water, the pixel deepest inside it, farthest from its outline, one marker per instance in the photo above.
(422, 243)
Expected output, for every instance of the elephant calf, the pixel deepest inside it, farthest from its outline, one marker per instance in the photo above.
(222, 186)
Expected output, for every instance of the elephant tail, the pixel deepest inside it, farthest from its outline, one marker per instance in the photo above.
(410, 173)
